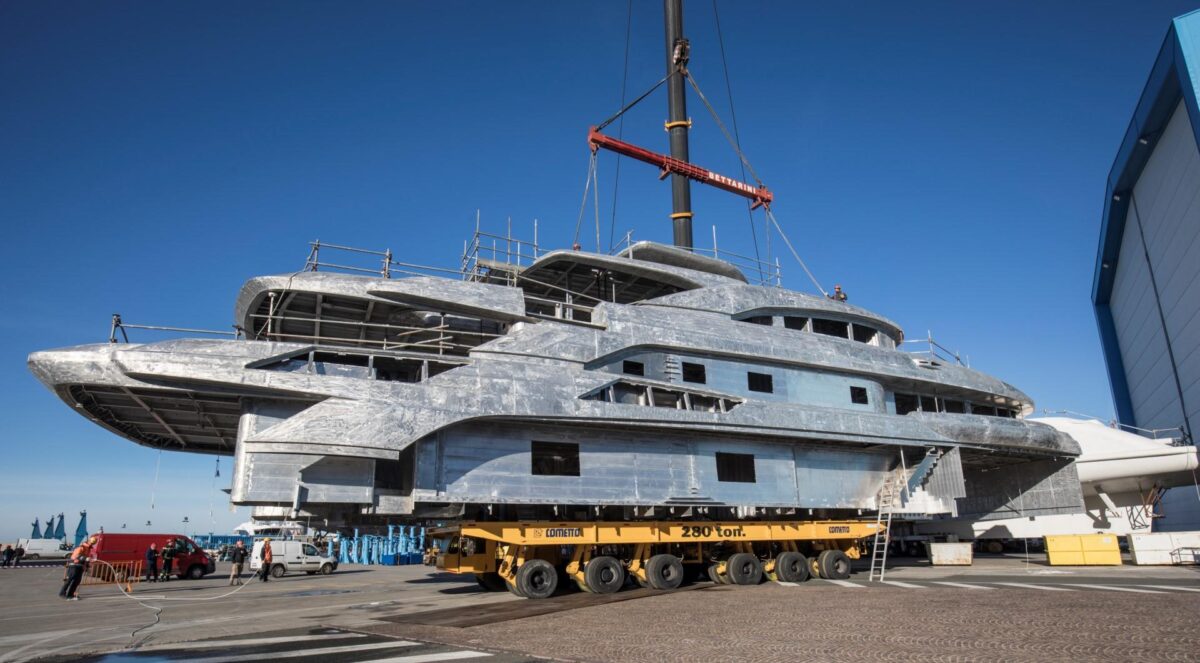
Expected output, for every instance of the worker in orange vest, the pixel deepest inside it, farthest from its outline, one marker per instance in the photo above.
(75, 568)
(265, 570)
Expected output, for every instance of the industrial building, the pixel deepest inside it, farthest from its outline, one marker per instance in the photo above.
(1146, 288)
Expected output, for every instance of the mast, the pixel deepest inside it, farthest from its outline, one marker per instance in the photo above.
(677, 122)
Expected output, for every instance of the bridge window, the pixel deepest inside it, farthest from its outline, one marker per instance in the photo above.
(633, 368)
(556, 459)
(858, 396)
(928, 404)
(794, 322)
(983, 409)
(735, 468)
(831, 327)
(694, 373)
(760, 382)
(863, 334)
(760, 320)
(953, 406)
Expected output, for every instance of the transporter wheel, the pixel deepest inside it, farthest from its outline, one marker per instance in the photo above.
(326, 569)
(537, 579)
(744, 569)
(195, 572)
(277, 571)
(715, 576)
(514, 589)
(604, 575)
(489, 582)
(834, 564)
(664, 572)
(791, 567)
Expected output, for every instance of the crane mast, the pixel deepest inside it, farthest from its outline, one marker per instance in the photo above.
(678, 165)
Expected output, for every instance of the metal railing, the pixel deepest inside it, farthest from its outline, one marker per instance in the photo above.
(936, 351)
(100, 572)
(387, 263)
(1177, 435)
(119, 326)
(441, 342)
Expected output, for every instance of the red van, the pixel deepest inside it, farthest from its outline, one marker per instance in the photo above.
(190, 561)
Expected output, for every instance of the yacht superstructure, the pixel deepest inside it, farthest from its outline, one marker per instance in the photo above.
(653, 383)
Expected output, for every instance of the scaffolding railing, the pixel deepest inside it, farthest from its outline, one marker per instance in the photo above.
(491, 257)
(388, 265)
(396, 337)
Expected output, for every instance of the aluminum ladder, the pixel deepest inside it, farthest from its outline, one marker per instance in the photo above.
(888, 499)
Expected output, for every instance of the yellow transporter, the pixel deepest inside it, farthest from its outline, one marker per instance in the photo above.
(529, 558)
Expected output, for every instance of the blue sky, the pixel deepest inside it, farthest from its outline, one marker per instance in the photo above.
(944, 161)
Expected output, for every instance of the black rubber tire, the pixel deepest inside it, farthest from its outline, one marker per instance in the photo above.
(326, 569)
(195, 572)
(718, 578)
(278, 571)
(834, 565)
(604, 575)
(489, 582)
(744, 569)
(537, 579)
(791, 567)
(664, 572)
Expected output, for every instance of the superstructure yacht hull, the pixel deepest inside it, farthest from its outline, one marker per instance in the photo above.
(653, 383)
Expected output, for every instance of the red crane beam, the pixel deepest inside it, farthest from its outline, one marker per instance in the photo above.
(760, 195)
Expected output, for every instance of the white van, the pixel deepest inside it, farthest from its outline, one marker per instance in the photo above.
(44, 548)
(293, 556)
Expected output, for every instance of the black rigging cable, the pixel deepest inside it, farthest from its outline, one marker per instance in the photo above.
(612, 227)
(737, 137)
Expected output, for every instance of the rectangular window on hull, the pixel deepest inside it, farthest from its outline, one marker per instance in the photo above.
(760, 320)
(735, 468)
(983, 409)
(858, 396)
(831, 327)
(928, 404)
(555, 459)
(694, 373)
(906, 403)
(953, 406)
(760, 382)
(633, 368)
